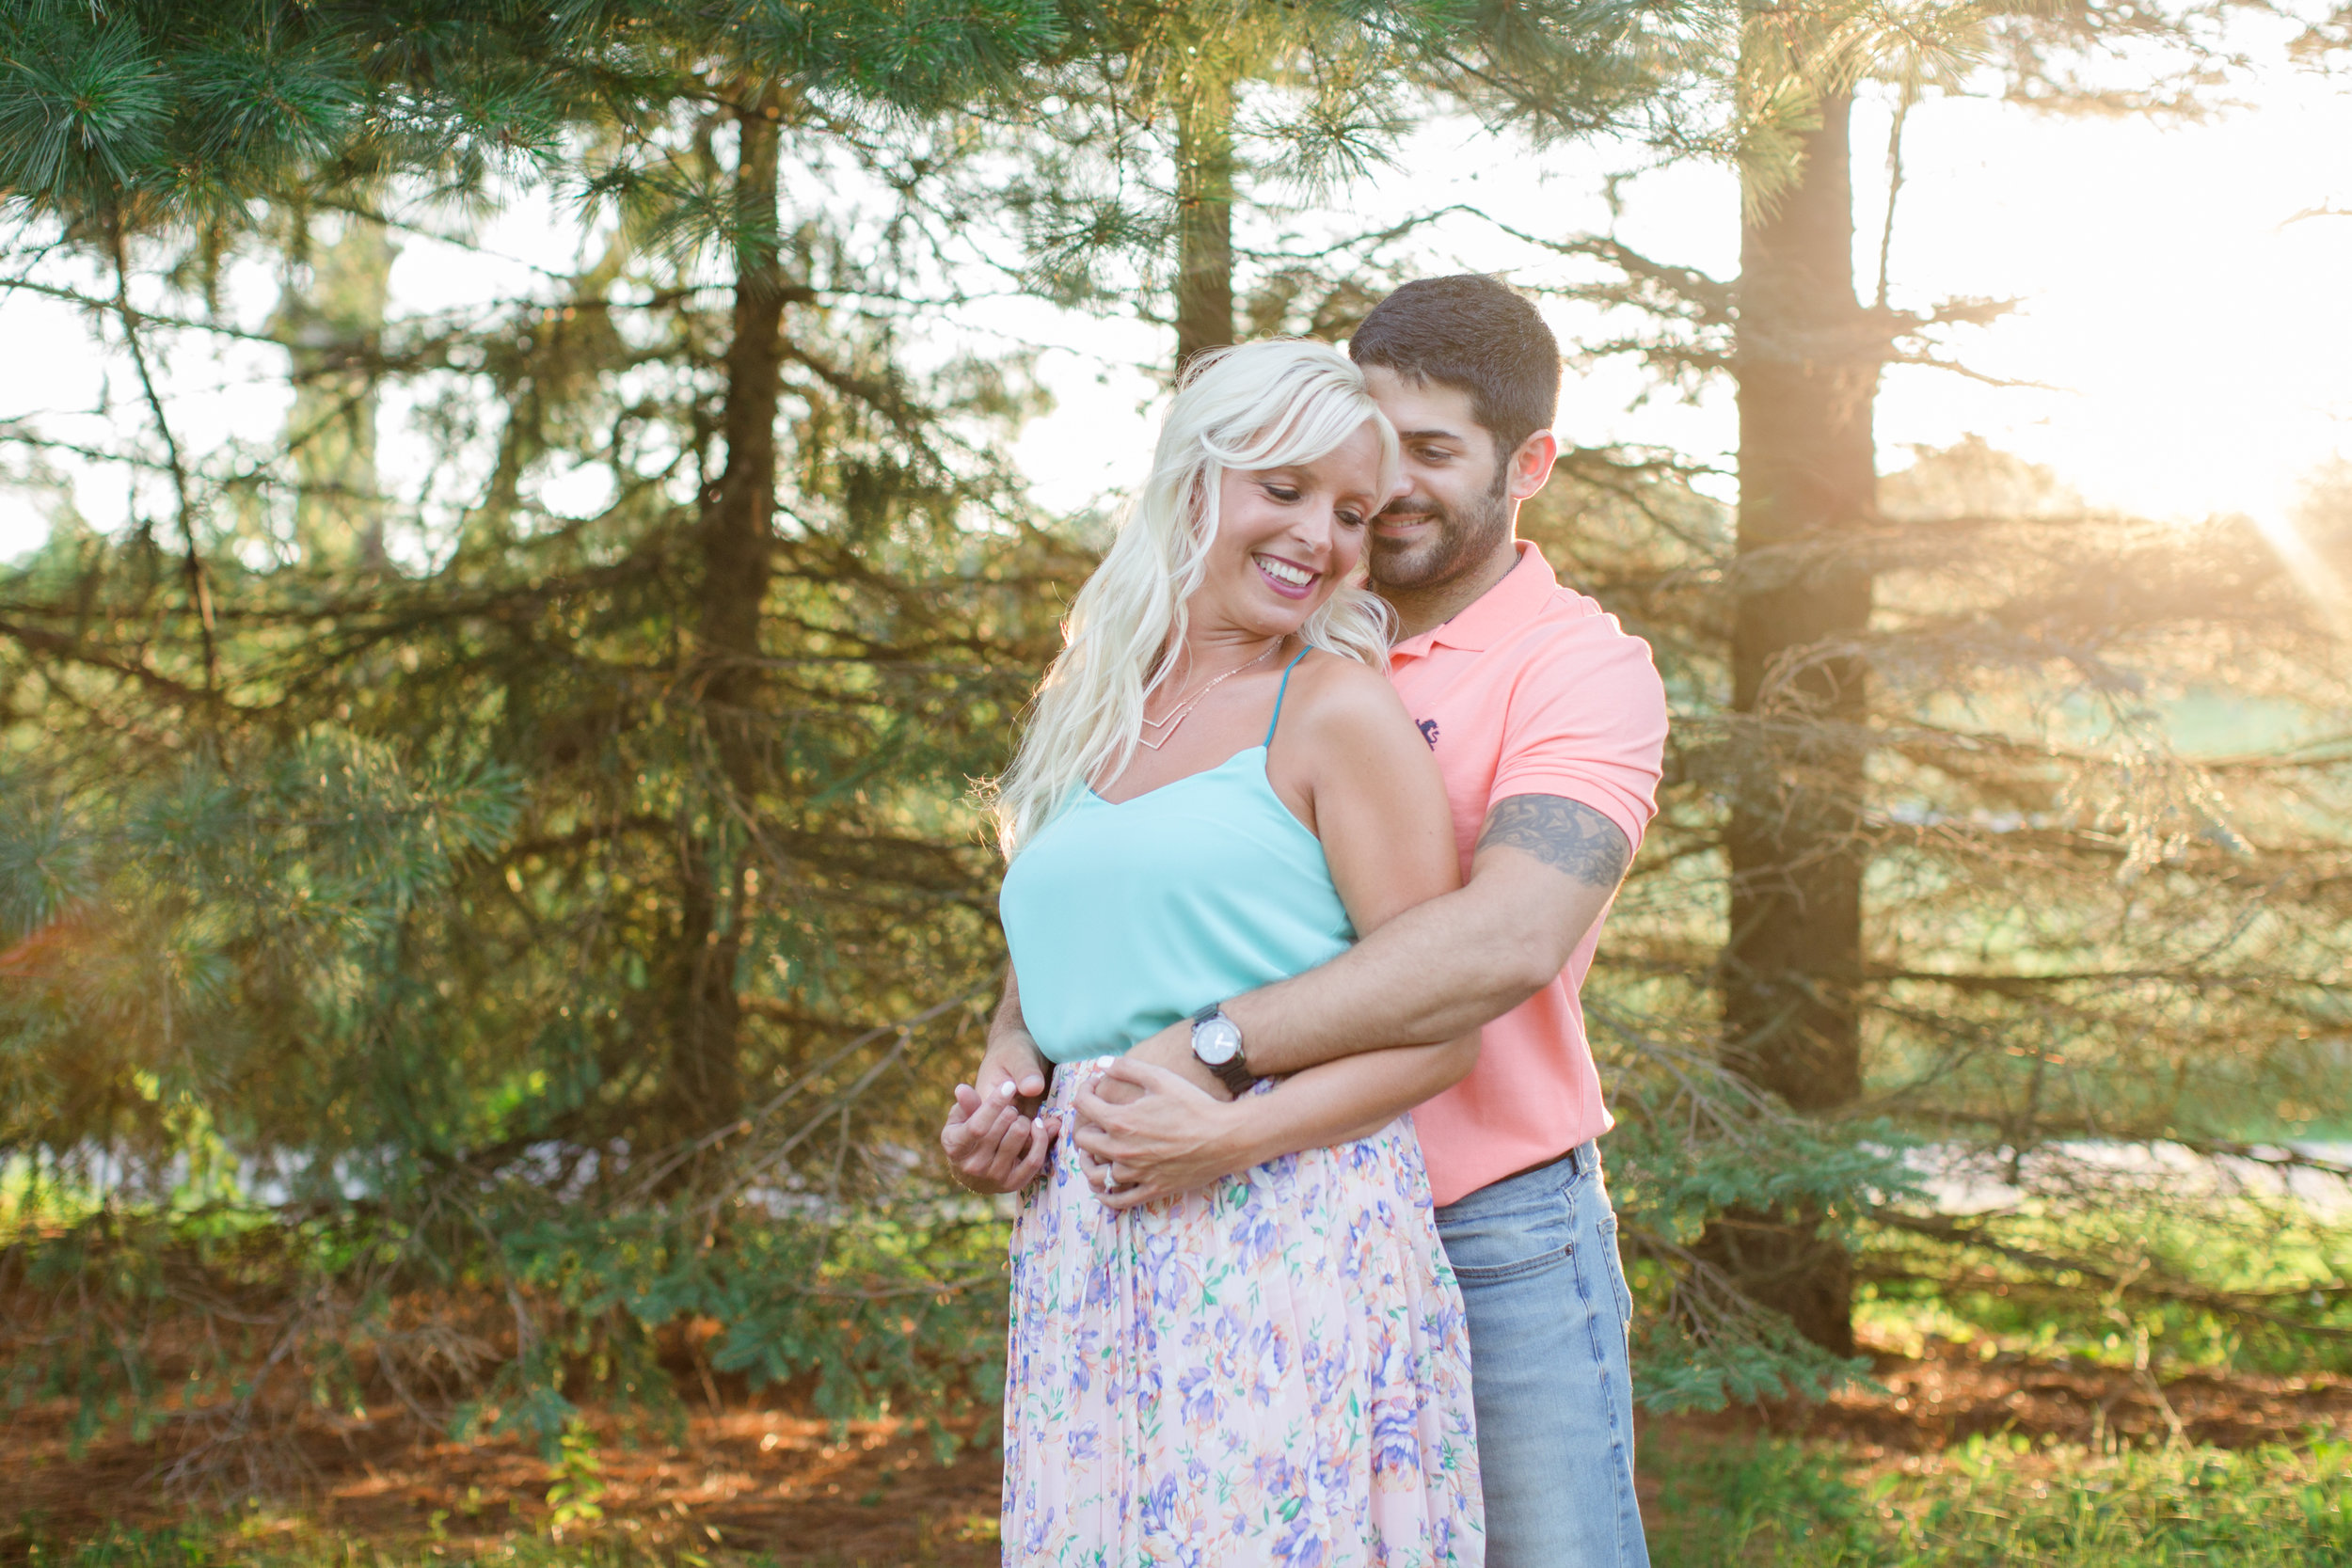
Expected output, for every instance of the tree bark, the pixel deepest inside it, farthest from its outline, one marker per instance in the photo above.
(1204, 219)
(1807, 371)
(334, 334)
(705, 1081)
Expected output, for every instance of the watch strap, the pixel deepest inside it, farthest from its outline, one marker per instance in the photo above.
(1233, 1072)
(1235, 1075)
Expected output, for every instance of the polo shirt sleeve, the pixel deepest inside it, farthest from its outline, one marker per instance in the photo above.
(1588, 721)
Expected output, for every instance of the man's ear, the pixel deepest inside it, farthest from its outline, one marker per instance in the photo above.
(1530, 466)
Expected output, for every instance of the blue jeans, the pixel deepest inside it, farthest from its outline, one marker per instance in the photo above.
(1537, 1254)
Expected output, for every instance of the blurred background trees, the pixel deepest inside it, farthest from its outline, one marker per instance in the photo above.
(494, 927)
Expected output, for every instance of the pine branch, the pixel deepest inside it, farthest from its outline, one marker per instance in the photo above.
(199, 589)
(2140, 1286)
(63, 646)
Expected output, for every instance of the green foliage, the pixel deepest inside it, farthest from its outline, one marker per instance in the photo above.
(178, 924)
(506, 1316)
(151, 114)
(1691, 1142)
(930, 55)
(1779, 1504)
(134, 114)
(2125, 1278)
(2083, 928)
(354, 936)
(579, 1482)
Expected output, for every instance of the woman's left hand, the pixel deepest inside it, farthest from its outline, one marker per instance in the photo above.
(1151, 1134)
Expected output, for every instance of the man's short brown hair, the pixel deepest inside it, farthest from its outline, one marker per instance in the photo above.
(1474, 332)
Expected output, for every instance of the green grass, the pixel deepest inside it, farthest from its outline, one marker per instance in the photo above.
(1778, 1504)
(2284, 1261)
(200, 1545)
(1731, 1503)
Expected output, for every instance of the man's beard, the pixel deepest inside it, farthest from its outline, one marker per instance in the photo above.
(1457, 542)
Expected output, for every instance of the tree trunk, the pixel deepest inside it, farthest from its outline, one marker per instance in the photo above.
(1204, 219)
(704, 1083)
(333, 334)
(1808, 369)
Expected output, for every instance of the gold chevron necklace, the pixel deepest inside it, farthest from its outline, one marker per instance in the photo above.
(1165, 728)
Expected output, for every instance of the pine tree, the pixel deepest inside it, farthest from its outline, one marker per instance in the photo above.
(1148, 148)
(611, 834)
(1168, 119)
(1835, 682)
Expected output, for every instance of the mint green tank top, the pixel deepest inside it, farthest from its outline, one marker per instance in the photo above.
(1125, 918)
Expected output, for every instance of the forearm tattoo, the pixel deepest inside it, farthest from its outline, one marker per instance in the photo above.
(1563, 833)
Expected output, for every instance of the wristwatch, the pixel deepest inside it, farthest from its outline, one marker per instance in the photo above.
(1216, 1045)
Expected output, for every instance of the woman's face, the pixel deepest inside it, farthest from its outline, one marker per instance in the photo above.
(1287, 537)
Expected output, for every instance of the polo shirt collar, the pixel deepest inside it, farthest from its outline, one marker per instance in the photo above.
(1494, 614)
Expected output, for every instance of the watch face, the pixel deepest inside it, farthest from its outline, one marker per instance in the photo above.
(1216, 1041)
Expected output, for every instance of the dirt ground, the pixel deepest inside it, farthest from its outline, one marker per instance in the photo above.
(1954, 1392)
(759, 1480)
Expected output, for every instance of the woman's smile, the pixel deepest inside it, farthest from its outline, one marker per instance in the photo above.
(1287, 577)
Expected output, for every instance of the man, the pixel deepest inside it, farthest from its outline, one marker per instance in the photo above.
(1548, 724)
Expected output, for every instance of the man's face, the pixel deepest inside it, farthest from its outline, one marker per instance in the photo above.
(1457, 510)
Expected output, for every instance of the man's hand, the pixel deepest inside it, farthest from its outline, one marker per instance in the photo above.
(994, 1140)
(1145, 1133)
(1172, 1047)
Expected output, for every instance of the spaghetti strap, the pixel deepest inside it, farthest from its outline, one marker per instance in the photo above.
(1280, 693)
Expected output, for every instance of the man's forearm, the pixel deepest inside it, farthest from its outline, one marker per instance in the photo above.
(1440, 969)
(1435, 972)
(1335, 1102)
(1166, 1138)
(1546, 871)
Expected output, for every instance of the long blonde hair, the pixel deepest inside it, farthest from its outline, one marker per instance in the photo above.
(1260, 405)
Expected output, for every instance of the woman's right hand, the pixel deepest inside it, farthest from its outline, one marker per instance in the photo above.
(994, 1140)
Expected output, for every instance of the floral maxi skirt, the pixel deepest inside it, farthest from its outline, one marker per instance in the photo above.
(1275, 1371)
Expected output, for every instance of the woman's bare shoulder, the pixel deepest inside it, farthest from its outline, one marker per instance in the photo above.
(1347, 701)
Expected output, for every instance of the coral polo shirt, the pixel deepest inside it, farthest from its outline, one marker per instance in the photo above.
(1534, 689)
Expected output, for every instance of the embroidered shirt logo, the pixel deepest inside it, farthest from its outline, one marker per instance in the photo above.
(1429, 732)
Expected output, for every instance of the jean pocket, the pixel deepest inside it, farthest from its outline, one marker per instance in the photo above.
(1496, 1274)
(1525, 1239)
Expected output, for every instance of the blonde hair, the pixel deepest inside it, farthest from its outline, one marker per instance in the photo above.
(1260, 405)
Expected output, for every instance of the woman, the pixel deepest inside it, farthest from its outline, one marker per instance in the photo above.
(1218, 789)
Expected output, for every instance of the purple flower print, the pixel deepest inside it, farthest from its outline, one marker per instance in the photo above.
(1300, 1546)
(1202, 1403)
(1270, 1348)
(1086, 1354)
(1163, 1268)
(1159, 1508)
(1255, 1237)
(1041, 1527)
(1396, 1436)
(1269, 1374)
